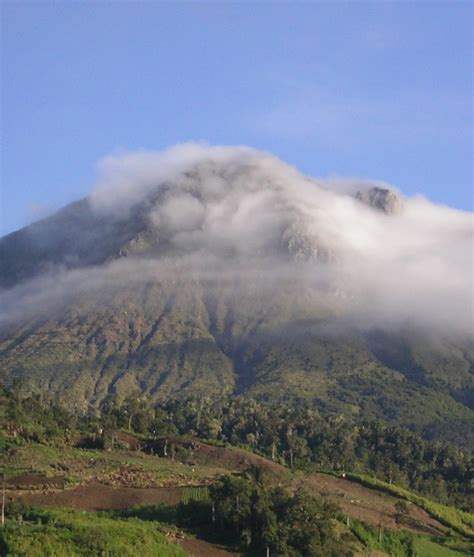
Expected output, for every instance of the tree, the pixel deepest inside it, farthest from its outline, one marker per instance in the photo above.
(131, 407)
(3, 501)
(402, 510)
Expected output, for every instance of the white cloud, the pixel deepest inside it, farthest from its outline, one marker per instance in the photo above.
(239, 215)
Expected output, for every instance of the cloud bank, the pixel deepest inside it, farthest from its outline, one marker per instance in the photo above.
(232, 218)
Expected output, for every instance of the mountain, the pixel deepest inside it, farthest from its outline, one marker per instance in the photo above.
(209, 271)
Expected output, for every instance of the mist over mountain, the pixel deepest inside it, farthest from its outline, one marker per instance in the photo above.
(355, 249)
(207, 270)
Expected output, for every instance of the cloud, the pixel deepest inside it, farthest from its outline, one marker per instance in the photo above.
(123, 177)
(251, 229)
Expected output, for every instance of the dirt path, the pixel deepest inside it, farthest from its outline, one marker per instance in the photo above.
(97, 496)
(201, 548)
(372, 506)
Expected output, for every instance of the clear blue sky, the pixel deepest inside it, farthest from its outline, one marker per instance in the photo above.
(371, 89)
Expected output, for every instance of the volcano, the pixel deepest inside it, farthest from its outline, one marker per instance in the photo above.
(212, 271)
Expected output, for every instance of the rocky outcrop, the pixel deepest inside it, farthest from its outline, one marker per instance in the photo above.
(382, 199)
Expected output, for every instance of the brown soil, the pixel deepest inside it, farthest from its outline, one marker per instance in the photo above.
(201, 548)
(96, 496)
(232, 459)
(129, 440)
(129, 476)
(372, 506)
(34, 481)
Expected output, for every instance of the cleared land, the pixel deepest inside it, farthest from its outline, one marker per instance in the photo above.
(372, 506)
(94, 480)
(122, 479)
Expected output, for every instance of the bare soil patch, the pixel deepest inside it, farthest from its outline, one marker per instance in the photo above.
(231, 459)
(96, 496)
(35, 481)
(201, 548)
(372, 506)
(130, 441)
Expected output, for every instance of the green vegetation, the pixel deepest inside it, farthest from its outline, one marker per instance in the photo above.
(301, 437)
(397, 543)
(67, 533)
(298, 437)
(81, 465)
(197, 493)
(251, 511)
(153, 338)
(259, 517)
(423, 547)
(394, 543)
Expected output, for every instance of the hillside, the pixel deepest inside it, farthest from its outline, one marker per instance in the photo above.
(75, 488)
(180, 347)
(150, 496)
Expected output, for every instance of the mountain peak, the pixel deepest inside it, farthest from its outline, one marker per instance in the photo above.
(209, 271)
(241, 214)
(382, 199)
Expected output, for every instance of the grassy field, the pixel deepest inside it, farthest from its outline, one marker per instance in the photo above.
(80, 465)
(67, 533)
(428, 548)
(402, 544)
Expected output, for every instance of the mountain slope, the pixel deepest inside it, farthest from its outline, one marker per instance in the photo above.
(167, 343)
(235, 274)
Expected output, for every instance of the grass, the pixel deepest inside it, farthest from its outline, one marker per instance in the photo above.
(394, 543)
(68, 533)
(88, 464)
(402, 544)
(195, 494)
(424, 547)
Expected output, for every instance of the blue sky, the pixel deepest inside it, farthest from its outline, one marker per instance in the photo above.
(377, 90)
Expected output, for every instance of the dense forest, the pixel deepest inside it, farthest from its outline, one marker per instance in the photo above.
(299, 437)
(267, 517)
